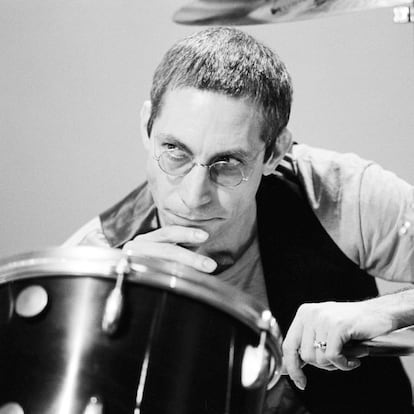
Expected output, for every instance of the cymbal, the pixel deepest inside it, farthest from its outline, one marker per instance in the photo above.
(216, 11)
(242, 12)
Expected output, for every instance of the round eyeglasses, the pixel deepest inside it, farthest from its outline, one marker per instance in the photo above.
(178, 163)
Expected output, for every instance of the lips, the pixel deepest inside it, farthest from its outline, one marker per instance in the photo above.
(195, 219)
(177, 217)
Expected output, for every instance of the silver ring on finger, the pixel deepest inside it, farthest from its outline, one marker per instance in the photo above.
(320, 345)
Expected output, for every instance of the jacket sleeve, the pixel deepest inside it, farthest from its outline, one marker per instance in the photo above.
(90, 234)
(387, 225)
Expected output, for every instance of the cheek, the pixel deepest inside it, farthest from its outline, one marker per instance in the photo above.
(236, 202)
(156, 183)
(163, 191)
(152, 179)
(240, 202)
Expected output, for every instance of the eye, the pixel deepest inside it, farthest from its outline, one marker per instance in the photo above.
(230, 160)
(174, 153)
(169, 147)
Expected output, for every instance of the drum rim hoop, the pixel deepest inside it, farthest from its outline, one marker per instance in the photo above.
(92, 261)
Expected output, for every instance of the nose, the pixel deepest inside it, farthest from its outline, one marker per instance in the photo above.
(195, 190)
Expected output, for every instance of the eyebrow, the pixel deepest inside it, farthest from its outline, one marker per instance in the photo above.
(173, 140)
(236, 152)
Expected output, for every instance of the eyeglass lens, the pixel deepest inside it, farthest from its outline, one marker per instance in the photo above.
(221, 172)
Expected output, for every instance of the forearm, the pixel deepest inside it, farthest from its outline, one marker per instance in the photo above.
(398, 307)
(335, 324)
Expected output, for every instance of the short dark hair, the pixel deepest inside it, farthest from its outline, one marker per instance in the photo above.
(229, 61)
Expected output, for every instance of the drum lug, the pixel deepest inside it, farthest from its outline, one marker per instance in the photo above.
(94, 406)
(115, 301)
(256, 361)
(255, 364)
(276, 364)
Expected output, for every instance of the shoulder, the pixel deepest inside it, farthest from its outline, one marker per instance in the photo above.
(361, 205)
(387, 222)
(332, 184)
(133, 214)
(316, 165)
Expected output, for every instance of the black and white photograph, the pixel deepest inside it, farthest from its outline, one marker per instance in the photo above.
(207, 207)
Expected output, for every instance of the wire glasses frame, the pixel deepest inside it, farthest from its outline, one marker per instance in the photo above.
(222, 173)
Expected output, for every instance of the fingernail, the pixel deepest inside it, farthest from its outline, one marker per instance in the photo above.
(201, 235)
(353, 364)
(209, 265)
(300, 383)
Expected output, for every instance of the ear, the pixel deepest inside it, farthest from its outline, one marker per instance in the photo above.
(145, 116)
(281, 147)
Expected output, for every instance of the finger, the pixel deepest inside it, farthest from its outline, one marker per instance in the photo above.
(320, 345)
(307, 349)
(345, 364)
(353, 363)
(175, 234)
(171, 252)
(326, 367)
(291, 359)
(334, 354)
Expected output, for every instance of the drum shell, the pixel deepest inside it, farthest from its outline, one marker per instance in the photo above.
(172, 352)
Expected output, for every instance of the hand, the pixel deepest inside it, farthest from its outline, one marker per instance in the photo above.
(332, 323)
(166, 243)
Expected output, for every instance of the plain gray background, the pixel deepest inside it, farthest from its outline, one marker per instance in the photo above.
(74, 74)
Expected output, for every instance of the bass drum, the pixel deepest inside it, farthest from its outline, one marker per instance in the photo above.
(88, 330)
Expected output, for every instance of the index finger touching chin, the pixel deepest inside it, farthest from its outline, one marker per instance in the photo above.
(175, 235)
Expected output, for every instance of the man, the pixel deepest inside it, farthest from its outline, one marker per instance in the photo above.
(300, 229)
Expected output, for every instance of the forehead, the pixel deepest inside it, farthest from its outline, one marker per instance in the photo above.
(208, 121)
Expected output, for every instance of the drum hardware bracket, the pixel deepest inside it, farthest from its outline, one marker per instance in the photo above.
(115, 302)
(256, 361)
(404, 14)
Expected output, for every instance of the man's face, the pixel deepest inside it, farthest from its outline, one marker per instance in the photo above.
(209, 127)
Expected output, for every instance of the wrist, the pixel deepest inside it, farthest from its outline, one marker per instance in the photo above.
(396, 310)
